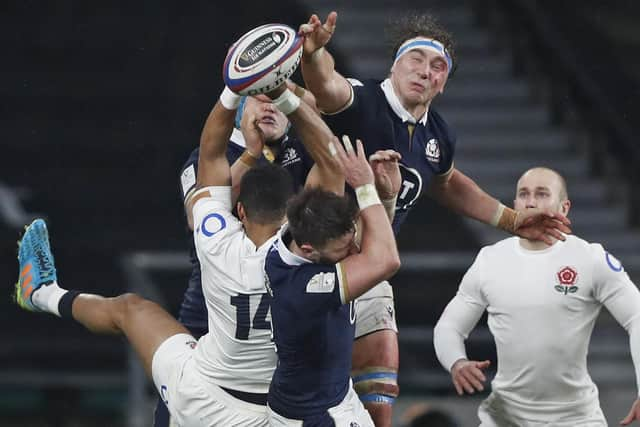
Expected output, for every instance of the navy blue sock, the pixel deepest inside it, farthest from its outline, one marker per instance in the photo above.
(64, 306)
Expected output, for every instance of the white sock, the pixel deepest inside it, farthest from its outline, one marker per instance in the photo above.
(47, 297)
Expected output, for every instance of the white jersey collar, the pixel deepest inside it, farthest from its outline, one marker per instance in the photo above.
(285, 254)
(396, 105)
(237, 138)
(537, 252)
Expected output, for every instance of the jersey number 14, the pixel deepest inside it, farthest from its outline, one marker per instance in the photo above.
(242, 303)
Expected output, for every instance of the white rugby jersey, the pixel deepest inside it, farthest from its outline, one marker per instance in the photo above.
(237, 353)
(542, 306)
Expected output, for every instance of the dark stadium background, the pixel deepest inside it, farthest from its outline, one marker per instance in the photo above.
(101, 102)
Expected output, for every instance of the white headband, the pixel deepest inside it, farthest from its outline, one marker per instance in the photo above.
(426, 44)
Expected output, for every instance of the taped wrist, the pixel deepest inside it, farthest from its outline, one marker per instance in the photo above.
(229, 99)
(248, 159)
(288, 102)
(505, 218)
(366, 195)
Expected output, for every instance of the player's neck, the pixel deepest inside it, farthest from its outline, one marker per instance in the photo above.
(535, 245)
(417, 110)
(260, 233)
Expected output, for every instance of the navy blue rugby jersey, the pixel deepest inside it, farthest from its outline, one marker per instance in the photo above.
(313, 331)
(296, 160)
(427, 150)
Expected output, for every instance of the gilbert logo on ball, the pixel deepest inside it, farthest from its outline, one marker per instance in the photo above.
(262, 59)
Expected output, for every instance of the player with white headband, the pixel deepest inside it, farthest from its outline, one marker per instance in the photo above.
(396, 113)
(426, 44)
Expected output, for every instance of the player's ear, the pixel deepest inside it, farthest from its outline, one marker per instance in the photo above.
(565, 206)
(242, 215)
(309, 251)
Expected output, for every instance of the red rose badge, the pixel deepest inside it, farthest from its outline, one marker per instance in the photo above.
(566, 277)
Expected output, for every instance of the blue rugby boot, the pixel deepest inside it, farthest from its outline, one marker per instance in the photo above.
(37, 267)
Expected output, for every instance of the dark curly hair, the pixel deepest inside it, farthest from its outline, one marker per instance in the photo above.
(419, 24)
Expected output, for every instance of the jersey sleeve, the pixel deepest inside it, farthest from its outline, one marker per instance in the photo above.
(322, 287)
(213, 220)
(472, 283)
(359, 110)
(460, 317)
(188, 175)
(189, 171)
(613, 287)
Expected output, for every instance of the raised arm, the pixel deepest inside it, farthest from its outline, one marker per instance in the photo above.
(213, 166)
(378, 258)
(315, 135)
(331, 90)
(462, 195)
(254, 140)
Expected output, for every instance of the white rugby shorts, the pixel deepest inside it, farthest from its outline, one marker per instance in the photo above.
(375, 310)
(490, 417)
(192, 398)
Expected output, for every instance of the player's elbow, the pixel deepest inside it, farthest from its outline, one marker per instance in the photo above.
(332, 95)
(442, 335)
(439, 331)
(391, 264)
(382, 267)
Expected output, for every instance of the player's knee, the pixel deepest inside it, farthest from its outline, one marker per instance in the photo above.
(130, 301)
(377, 385)
(129, 304)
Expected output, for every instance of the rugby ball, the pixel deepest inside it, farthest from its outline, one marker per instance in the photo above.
(262, 59)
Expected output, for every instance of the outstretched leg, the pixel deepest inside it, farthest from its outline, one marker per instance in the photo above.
(145, 324)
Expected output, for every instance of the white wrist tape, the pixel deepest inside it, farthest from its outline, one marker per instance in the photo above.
(496, 216)
(229, 99)
(366, 195)
(288, 102)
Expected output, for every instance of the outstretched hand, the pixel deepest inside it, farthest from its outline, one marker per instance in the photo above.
(541, 224)
(316, 34)
(634, 414)
(467, 375)
(386, 172)
(353, 164)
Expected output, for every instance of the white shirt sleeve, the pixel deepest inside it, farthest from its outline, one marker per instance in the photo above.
(213, 220)
(460, 317)
(613, 288)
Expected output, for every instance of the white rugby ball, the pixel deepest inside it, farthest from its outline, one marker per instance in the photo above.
(262, 59)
